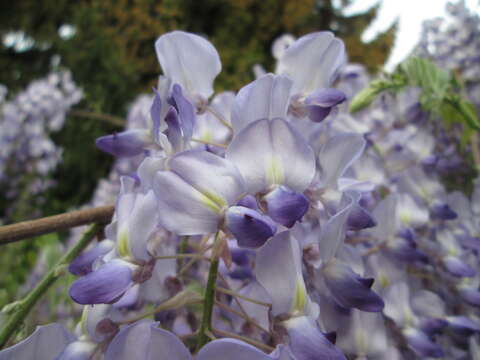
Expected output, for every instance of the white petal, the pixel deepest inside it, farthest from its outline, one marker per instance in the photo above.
(333, 233)
(269, 152)
(265, 98)
(337, 155)
(278, 270)
(397, 304)
(386, 215)
(189, 60)
(142, 223)
(182, 209)
(312, 61)
(210, 174)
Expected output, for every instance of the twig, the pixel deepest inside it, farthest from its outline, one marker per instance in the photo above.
(240, 306)
(22, 308)
(28, 229)
(242, 315)
(246, 298)
(182, 256)
(255, 343)
(219, 117)
(114, 120)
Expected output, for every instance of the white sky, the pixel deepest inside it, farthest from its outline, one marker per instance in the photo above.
(411, 14)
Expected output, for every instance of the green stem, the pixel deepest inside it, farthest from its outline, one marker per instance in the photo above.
(24, 306)
(208, 302)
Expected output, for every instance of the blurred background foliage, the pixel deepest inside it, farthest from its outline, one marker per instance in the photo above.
(109, 47)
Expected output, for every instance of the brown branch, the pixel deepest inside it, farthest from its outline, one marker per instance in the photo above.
(28, 229)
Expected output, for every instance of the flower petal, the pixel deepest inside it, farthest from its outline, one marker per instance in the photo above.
(212, 175)
(103, 286)
(143, 340)
(183, 209)
(337, 155)
(124, 144)
(236, 350)
(312, 61)
(47, 342)
(278, 270)
(182, 54)
(250, 228)
(265, 98)
(83, 263)
(286, 206)
(307, 342)
(349, 289)
(282, 156)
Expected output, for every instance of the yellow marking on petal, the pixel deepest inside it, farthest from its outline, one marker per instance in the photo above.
(405, 218)
(123, 246)
(211, 204)
(275, 171)
(384, 281)
(300, 299)
(219, 200)
(83, 320)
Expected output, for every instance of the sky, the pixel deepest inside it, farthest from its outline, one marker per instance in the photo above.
(411, 14)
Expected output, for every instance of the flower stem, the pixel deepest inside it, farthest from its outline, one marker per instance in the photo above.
(23, 307)
(209, 301)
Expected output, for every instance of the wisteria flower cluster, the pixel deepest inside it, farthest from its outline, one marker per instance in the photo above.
(27, 153)
(454, 44)
(270, 224)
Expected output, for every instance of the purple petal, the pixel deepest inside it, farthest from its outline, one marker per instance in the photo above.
(349, 289)
(325, 98)
(463, 325)
(143, 340)
(457, 267)
(421, 344)
(317, 113)
(470, 295)
(250, 228)
(155, 114)
(321, 102)
(307, 342)
(185, 109)
(103, 286)
(286, 206)
(433, 326)
(248, 201)
(82, 264)
(231, 349)
(124, 144)
(443, 212)
(360, 219)
(46, 342)
(174, 131)
(406, 251)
